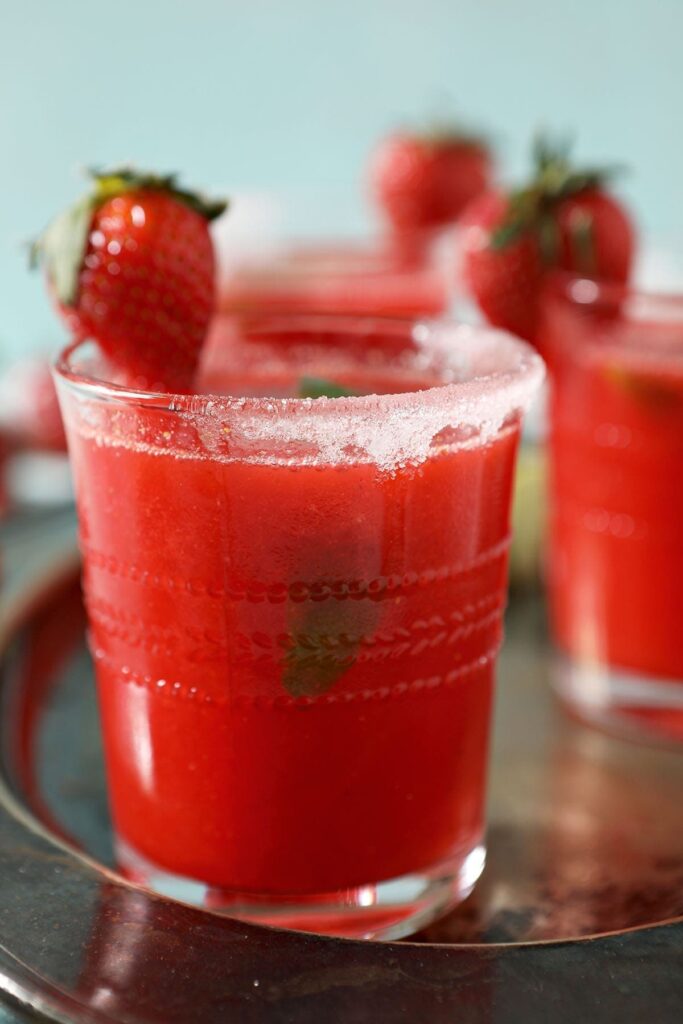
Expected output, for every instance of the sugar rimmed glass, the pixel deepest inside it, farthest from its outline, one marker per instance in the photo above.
(616, 505)
(295, 609)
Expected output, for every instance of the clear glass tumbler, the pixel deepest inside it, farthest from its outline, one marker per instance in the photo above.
(295, 609)
(323, 251)
(616, 515)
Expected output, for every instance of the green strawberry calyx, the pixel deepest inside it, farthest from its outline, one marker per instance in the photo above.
(531, 208)
(62, 246)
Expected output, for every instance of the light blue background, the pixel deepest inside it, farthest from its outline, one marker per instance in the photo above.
(268, 93)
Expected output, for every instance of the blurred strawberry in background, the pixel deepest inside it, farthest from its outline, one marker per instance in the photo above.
(4, 456)
(33, 463)
(29, 410)
(562, 219)
(422, 181)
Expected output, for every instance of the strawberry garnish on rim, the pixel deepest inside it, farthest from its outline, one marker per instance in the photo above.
(563, 219)
(131, 265)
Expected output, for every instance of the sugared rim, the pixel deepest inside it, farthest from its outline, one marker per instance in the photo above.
(521, 369)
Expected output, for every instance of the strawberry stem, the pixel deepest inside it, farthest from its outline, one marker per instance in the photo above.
(62, 246)
(531, 208)
(117, 180)
(583, 242)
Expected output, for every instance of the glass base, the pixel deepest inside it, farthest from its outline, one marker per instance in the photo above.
(628, 703)
(386, 910)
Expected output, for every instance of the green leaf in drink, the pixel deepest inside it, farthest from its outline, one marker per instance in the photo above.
(326, 639)
(647, 389)
(319, 387)
(326, 636)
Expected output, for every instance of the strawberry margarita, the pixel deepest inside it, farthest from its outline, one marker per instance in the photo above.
(395, 280)
(296, 607)
(616, 543)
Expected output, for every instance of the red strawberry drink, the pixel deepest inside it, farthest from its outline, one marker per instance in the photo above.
(296, 609)
(616, 544)
(295, 572)
(335, 277)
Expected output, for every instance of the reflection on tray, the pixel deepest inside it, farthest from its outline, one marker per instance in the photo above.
(585, 832)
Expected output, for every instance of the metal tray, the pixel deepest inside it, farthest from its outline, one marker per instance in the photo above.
(577, 916)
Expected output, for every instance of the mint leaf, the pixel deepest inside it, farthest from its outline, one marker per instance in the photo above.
(318, 387)
(331, 613)
(645, 389)
(326, 638)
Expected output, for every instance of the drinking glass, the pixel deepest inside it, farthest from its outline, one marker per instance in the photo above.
(616, 502)
(322, 251)
(295, 609)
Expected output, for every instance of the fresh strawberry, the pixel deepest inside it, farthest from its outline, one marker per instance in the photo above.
(505, 281)
(29, 410)
(132, 266)
(562, 220)
(423, 182)
(596, 236)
